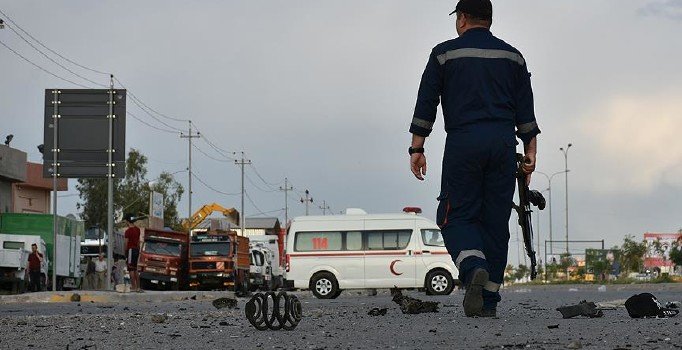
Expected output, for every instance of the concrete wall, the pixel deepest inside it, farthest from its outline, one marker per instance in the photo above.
(12, 169)
(31, 200)
(12, 164)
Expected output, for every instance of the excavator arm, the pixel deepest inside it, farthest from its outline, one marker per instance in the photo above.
(202, 213)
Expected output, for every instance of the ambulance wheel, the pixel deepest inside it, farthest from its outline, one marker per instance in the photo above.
(324, 286)
(439, 282)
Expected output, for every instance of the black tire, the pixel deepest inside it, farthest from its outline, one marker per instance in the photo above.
(324, 286)
(439, 282)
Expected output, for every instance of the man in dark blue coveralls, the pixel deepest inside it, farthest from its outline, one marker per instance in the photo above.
(484, 86)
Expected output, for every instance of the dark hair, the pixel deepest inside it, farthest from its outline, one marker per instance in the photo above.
(34, 245)
(476, 20)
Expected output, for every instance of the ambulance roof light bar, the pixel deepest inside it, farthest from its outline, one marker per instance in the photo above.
(412, 210)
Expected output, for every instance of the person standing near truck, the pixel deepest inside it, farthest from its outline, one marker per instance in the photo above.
(101, 271)
(132, 244)
(484, 86)
(35, 260)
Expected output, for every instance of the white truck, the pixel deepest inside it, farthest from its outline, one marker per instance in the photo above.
(93, 242)
(265, 271)
(14, 260)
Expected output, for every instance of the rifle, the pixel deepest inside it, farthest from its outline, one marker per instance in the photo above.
(527, 198)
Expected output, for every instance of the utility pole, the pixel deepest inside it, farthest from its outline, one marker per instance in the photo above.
(286, 190)
(565, 151)
(242, 215)
(189, 138)
(307, 200)
(324, 207)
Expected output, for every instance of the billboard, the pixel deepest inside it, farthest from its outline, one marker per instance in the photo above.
(655, 257)
(82, 121)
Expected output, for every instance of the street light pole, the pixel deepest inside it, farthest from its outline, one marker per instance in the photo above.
(565, 152)
(549, 190)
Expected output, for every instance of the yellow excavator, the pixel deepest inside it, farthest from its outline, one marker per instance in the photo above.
(202, 213)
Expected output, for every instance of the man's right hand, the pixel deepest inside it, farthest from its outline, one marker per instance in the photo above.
(418, 165)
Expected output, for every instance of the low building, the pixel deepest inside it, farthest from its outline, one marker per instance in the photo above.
(12, 170)
(254, 226)
(659, 260)
(34, 194)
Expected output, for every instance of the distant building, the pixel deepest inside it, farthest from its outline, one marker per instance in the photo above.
(654, 260)
(34, 194)
(254, 226)
(12, 170)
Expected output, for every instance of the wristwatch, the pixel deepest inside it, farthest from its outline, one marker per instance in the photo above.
(412, 150)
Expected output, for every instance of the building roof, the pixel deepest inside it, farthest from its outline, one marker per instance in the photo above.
(35, 179)
(251, 223)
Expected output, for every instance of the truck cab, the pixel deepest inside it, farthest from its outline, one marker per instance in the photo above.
(163, 259)
(218, 260)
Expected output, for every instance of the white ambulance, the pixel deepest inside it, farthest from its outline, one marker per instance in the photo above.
(328, 254)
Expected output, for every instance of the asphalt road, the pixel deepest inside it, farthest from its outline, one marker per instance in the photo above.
(343, 323)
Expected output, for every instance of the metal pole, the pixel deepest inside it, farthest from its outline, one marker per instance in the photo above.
(551, 250)
(286, 190)
(565, 151)
(110, 183)
(55, 170)
(242, 162)
(189, 138)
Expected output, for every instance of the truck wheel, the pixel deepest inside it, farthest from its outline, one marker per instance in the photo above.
(324, 286)
(439, 282)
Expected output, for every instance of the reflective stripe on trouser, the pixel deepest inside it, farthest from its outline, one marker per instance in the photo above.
(475, 205)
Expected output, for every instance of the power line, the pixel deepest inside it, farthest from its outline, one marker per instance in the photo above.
(258, 187)
(254, 204)
(209, 156)
(49, 49)
(267, 212)
(11, 27)
(262, 179)
(150, 125)
(41, 68)
(145, 105)
(212, 188)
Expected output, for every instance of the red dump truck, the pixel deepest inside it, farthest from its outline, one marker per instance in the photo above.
(163, 259)
(219, 260)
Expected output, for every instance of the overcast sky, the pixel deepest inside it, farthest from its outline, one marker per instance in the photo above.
(323, 92)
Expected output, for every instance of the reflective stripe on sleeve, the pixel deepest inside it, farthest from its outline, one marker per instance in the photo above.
(492, 287)
(527, 127)
(422, 123)
(480, 53)
(467, 253)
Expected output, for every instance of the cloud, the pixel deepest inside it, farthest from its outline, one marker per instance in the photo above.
(669, 9)
(635, 142)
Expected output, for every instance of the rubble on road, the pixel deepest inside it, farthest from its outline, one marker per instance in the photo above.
(410, 305)
(222, 303)
(378, 312)
(75, 297)
(159, 318)
(584, 308)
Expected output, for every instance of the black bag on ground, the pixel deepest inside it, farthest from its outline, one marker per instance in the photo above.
(646, 305)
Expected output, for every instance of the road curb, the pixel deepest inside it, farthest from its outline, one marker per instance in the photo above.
(112, 297)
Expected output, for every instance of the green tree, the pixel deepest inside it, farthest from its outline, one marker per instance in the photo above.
(131, 194)
(676, 252)
(521, 272)
(632, 254)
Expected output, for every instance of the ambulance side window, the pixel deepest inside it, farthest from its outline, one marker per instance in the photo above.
(432, 238)
(354, 240)
(318, 241)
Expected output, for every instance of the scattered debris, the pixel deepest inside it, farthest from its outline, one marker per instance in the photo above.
(264, 317)
(584, 308)
(378, 312)
(602, 288)
(673, 305)
(75, 297)
(646, 305)
(159, 318)
(574, 345)
(611, 305)
(410, 305)
(553, 326)
(222, 303)
(223, 323)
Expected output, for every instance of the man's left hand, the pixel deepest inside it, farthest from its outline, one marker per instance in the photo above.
(418, 165)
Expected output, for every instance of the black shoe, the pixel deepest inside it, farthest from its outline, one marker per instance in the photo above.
(489, 313)
(473, 297)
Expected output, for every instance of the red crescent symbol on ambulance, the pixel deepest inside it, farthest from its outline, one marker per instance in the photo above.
(392, 267)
